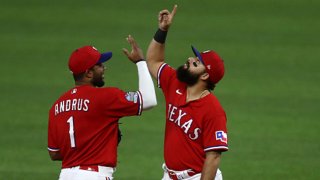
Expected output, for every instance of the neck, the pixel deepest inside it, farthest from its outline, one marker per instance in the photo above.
(196, 92)
(81, 83)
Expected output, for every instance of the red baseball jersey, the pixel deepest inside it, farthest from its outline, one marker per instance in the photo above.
(83, 124)
(192, 128)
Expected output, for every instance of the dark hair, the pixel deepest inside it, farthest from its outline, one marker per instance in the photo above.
(210, 85)
(78, 77)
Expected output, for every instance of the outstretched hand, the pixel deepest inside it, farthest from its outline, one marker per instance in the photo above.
(165, 18)
(136, 53)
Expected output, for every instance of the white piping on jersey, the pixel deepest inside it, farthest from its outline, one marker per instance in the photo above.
(140, 103)
(216, 147)
(159, 72)
(51, 149)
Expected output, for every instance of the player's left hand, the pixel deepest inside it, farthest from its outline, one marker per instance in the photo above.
(136, 53)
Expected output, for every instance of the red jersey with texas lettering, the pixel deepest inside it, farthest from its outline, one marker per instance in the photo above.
(83, 124)
(192, 128)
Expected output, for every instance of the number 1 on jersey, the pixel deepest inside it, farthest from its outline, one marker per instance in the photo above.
(71, 132)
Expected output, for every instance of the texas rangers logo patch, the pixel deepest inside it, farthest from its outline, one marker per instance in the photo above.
(221, 136)
(132, 96)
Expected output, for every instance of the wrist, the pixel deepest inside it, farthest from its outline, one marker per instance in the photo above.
(141, 64)
(160, 36)
(139, 61)
(163, 29)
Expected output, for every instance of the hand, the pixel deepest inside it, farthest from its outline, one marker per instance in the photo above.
(136, 53)
(165, 18)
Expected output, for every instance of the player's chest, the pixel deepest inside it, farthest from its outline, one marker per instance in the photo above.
(184, 119)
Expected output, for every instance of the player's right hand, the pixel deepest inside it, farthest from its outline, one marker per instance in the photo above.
(165, 18)
(136, 53)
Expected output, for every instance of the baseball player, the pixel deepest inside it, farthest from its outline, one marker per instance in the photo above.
(195, 133)
(83, 122)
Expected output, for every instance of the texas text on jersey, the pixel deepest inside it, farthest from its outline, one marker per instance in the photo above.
(192, 128)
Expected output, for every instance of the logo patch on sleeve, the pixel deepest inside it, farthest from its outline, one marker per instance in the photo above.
(221, 136)
(132, 96)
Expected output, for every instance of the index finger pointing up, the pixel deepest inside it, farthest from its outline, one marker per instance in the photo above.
(174, 10)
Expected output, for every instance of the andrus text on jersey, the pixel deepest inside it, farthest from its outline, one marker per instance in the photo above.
(71, 105)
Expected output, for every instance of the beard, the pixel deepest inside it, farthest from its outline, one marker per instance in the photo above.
(97, 81)
(184, 75)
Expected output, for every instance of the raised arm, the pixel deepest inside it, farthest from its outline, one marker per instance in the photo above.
(155, 53)
(146, 86)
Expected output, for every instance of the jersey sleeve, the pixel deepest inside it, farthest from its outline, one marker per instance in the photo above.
(215, 132)
(165, 76)
(52, 145)
(119, 103)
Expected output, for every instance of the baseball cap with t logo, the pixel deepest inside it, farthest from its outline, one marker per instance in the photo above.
(213, 63)
(86, 57)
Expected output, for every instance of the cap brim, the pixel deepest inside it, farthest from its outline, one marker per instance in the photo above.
(197, 53)
(105, 57)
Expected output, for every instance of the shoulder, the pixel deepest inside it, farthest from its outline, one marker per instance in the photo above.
(213, 112)
(165, 68)
(213, 104)
(105, 90)
(109, 89)
(108, 92)
(63, 96)
(213, 99)
(166, 75)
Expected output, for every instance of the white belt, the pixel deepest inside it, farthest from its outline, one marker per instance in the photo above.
(103, 170)
(178, 174)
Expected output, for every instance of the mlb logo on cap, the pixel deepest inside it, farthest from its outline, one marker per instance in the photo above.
(213, 63)
(86, 57)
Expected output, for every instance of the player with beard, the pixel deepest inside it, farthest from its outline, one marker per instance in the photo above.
(196, 133)
(184, 74)
(83, 123)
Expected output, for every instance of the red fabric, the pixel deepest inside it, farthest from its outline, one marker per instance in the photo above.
(86, 57)
(190, 127)
(90, 168)
(214, 65)
(174, 176)
(94, 114)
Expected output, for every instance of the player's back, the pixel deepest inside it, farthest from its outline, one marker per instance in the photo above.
(83, 126)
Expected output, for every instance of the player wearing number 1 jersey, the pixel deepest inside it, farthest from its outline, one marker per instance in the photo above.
(196, 132)
(83, 123)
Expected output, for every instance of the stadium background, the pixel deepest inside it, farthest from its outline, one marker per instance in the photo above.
(270, 91)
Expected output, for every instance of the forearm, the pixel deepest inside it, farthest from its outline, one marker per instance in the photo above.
(146, 86)
(156, 52)
(211, 165)
(55, 155)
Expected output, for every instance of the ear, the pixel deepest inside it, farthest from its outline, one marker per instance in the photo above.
(89, 73)
(204, 76)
